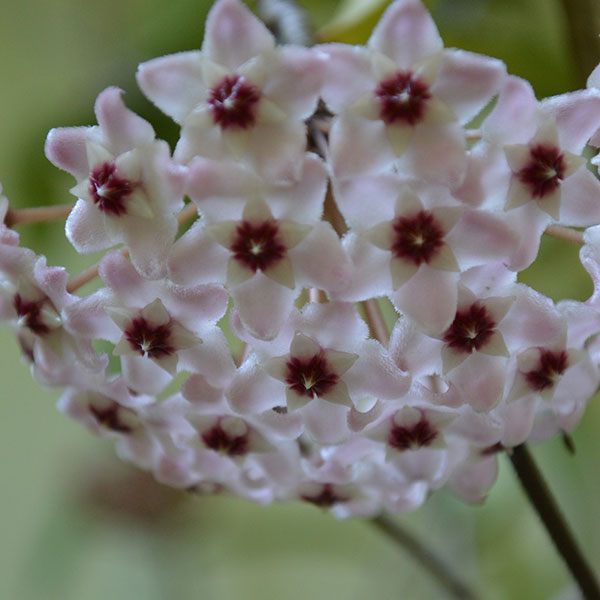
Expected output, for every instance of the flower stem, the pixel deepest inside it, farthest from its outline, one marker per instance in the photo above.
(375, 321)
(317, 296)
(87, 275)
(473, 135)
(565, 233)
(189, 211)
(540, 496)
(91, 273)
(425, 557)
(82, 278)
(20, 216)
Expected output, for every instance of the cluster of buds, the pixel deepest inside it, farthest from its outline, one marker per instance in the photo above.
(321, 186)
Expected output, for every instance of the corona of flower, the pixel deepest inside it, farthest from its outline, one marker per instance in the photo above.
(325, 184)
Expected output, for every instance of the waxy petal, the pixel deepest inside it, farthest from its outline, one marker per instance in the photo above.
(174, 83)
(234, 35)
(121, 126)
(466, 82)
(406, 33)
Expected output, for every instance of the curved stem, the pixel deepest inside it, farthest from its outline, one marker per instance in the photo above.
(473, 135)
(189, 211)
(541, 497)
(87, 275)
(425, 557)
(91, 273)
(375, 321)
(19, 216)
(565, 233)
(317, 296)
(82, 278)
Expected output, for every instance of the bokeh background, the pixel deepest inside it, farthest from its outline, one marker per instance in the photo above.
(77, 524)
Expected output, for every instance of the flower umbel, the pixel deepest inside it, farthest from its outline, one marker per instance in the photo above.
(315, 188)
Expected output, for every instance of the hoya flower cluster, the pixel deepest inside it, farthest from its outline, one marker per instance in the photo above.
(320, 182)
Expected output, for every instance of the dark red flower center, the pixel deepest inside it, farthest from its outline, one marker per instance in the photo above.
(402, 97)
(109, 190)
(111, 417)
(151, 340)
(325, 498)
(551, 366)
(417, 238)
(258, 246)
(233, 103)
(217, 439)
(310, 376)
(414, 436)
(30, 314)
(545, 170)
(472, 328)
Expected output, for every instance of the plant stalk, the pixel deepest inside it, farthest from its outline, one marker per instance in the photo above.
(425, 557)
(547, 509)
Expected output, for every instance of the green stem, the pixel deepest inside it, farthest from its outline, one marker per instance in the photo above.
(541, 497)
(425, 557)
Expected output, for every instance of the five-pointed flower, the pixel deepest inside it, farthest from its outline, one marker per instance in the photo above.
(240, 96)
(539, 168)
(152, 333)
(310, 371)
(128, 187)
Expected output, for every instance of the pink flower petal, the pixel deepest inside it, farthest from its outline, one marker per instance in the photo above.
(577, 117)
(466, 82)
(295, 80)
(85, 229)
(197, 258)
(347, 76)
(325, 422)
(233, 35)
(66, 148)
(174, 83)
(121, 126)
(406, 33)
(320, 261)
(263, 305)
(429, 298)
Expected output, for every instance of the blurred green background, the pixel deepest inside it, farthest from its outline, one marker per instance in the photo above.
(77, 524)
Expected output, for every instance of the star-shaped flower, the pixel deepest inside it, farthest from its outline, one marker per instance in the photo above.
(404, 95)
(310, 371)
(128, 187)
(240, 96)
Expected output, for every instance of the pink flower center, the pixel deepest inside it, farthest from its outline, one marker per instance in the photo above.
(233, 103)
(415, 436)
(151, 340)
(417, 238)
(109, 190)
(217, 439)
(545, 170)
(402, 97)
(30, 315)
(258, 246)
(310, 377)
(110, 417)
(325, 498)
(551, 366)
(472, 328)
